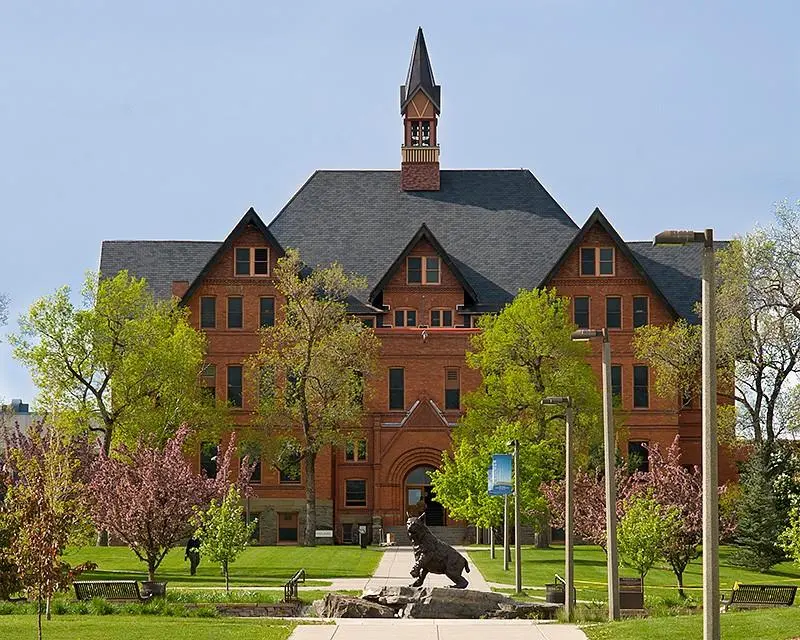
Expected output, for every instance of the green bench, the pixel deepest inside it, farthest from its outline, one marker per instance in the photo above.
(761, 595)
(119, 590)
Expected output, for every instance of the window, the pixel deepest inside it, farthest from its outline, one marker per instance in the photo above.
(208, 313)
(208, 458)
(249, 261)
(397, 401)
(614, 312)
(369, 322)
(235, 385)
(596, 261)
(441, 318)
(452, 389)
(420, 133)
(235, 313)
(581, 312)
(356, 451)
(355, 493)
(266, 312)
(289, 467)
(641, 392)
(616, 381)
(637, 456)
(640, 311)
(208, 378)
(606, 261)
(405, 318)
(415, 274)
(587, 261)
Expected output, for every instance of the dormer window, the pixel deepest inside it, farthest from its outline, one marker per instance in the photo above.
(597, 261)
(251, 261)
(416, 274)
(420, 133)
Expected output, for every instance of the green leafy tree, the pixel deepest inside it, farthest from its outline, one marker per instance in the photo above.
(645, 532)
(317, 360)
(790, 537)
(121, 365)
(758, 334)
(760, 521)
(223, 532)
(47, 510)
(524, 354)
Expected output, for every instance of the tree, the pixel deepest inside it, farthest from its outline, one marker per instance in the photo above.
(222, 531)
(46, 508)
(524, 354)
(758, 331)
(122, 365)
(790, 537)
(146, 496)
(318, 358)
(3, 309)
(645, 531)
(760, 521)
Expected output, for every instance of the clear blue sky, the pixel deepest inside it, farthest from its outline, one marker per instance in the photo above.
(166, 120)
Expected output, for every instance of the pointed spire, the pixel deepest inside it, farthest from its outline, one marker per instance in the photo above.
(420, 75)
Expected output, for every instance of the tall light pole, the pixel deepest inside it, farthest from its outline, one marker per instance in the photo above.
(517, 527)
(609, 442)
(506, 544)
(569, 504)
(711, 629)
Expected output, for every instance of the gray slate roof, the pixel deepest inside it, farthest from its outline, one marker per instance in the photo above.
(159, 261)
(500, 227)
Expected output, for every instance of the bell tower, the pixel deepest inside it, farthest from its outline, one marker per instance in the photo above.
(420, 101)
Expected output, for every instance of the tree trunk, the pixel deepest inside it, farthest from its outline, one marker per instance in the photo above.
(151, 570)
(227, 580)
(543, 536)
(309, 536)
(679, 575)
(47, 608)
(39, 614)
(102, 538)
(102, 535)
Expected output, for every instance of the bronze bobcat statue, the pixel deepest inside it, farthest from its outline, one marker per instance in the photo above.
(431, 555)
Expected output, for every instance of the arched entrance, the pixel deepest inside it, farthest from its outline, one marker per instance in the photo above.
(421, 497)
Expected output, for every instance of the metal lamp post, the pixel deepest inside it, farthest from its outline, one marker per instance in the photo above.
(517, 527)
(610, 470)
(569, 520)
(711, 624)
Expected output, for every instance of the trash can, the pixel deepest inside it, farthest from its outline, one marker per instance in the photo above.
(554, 592)
(631, 593)
(362, 536)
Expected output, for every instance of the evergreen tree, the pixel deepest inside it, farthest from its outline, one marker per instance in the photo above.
(760, 522)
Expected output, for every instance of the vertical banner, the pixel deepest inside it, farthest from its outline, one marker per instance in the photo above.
(501, 477)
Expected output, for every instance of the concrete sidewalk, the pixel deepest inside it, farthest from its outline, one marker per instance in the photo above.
(348, 629)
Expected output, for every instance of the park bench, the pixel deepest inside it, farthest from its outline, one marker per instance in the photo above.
(761, 595)
(290, 590)
(121, 590)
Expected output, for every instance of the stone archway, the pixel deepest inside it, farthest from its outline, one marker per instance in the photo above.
(420, 496)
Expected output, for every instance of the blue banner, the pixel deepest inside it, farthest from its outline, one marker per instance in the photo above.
(501, 479)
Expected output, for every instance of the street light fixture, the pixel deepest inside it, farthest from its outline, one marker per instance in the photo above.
(711, 624)
(517, 528)
(610, 470)
(569, 510)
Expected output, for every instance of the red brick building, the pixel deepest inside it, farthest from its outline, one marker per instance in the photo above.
(439, 248)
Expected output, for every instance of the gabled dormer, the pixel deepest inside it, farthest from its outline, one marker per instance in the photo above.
(423, 287)
(247, 255)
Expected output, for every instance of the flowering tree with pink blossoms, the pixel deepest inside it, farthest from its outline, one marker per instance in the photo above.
(667, 481)
(146, 496)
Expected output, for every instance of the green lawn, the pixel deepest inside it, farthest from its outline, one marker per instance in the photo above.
(767, 624)
(144, 627)
(539, 565)
(257, 566)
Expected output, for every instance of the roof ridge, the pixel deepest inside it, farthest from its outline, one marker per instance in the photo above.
(159, 241)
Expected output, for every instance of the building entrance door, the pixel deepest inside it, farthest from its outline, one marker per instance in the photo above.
(287, 528)
(420, 497)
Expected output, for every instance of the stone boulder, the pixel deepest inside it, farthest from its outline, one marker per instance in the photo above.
(338, 606)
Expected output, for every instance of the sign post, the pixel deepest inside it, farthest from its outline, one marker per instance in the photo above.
(501, 483)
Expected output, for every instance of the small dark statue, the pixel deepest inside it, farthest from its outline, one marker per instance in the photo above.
(431, 555)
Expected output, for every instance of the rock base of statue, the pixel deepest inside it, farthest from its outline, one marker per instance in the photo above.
(430, 603)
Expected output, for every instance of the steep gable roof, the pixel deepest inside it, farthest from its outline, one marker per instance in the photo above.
(597, 218)
(423, 234)
(249, 218)
(420, 76)
(501, 229)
